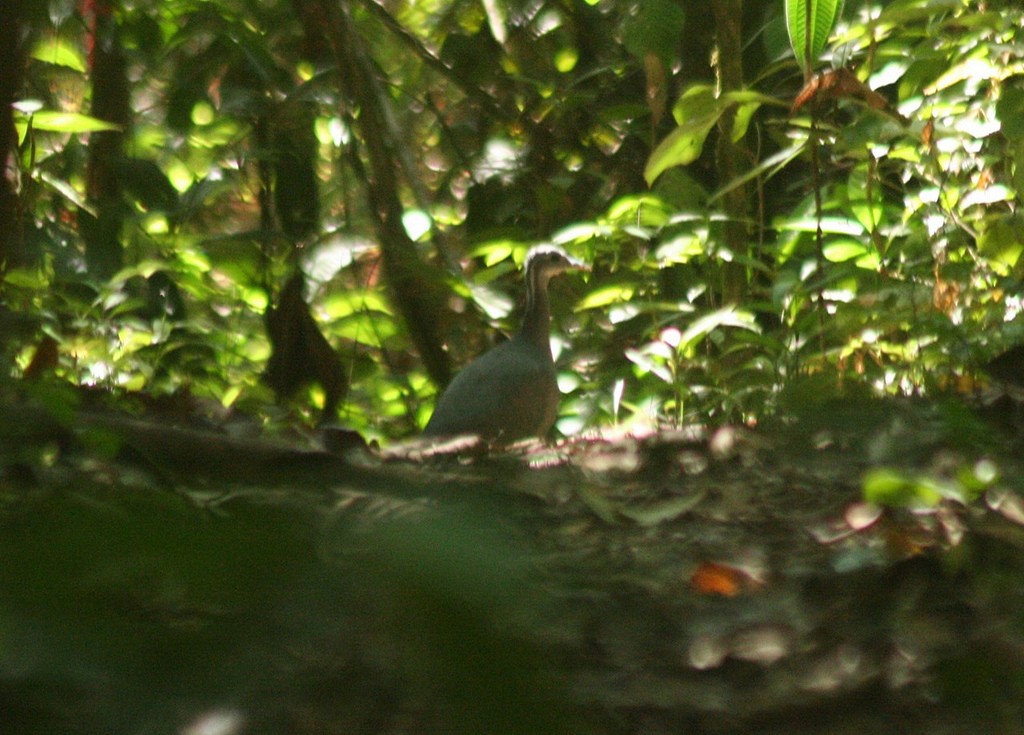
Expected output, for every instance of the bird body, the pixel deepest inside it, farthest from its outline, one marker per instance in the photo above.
(510, 392)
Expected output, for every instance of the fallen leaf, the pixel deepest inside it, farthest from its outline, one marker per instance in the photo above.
(712, 578)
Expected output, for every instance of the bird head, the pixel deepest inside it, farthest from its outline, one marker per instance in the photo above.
(546, 261)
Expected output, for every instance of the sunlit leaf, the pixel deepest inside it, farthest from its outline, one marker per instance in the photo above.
(69, 122)
(741, 121)
(644, 210)
(601, 297)
(697, 111)
(748, 101)
(495, 251)
(57, 51)
(1001, 243)
(680, 249)
(829, 225)
(494, 303)
(67, 191)
(580, 232)
(975, 68)
(883, 486)
(647, 362)
(726, 317)
(340, 304)
(840, 251)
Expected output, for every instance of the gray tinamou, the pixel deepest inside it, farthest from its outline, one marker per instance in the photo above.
(510, 392)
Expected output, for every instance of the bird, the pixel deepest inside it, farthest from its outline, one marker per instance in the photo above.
(510, 392)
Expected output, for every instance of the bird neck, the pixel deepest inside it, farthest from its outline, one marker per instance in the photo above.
(536, 325)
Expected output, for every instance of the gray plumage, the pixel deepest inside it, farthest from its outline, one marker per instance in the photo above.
(510, 392)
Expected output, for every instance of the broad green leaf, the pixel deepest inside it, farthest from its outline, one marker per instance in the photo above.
(580, 232)
(862, 253)
(69, 122)
(906, 12)
(647, 363)
(840, 251)
(495, 251)
(831, 225)
(67, 191)
(705, 325)
(741, 121)
(868, 212)
(57, 51)
(809, 23)
(27, 278)
(1001, 243)
(354, 301)
(367, 327)
(751, 96)
(642, 210)
(975, 69)
(144, 269)
(747, 102)
(495, 303)
(695, 104)
(680, 249)
(884, 486)
(697, 111)
(606, 295)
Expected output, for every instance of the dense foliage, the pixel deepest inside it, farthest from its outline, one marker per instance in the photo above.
(751, 217)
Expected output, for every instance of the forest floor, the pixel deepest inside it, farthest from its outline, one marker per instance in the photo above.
(161, 578)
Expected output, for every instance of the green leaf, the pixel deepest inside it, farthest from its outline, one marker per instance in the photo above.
(884, 486)
(1010, 108)
(809, 23)
(606, 295)
(59, 52)
(696, 104)
(67, 191)
(341, 304)
(642, 210)
(69, 122)
(830, 225)
(729, 316)
(741, 121)
(697, 111)
(748, 102)
(650, 362)
(654, 28)
(1000, 242)
(27, 278)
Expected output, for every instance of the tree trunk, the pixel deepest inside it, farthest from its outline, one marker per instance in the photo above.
(415, 294)
(110, 102)
(12, 49)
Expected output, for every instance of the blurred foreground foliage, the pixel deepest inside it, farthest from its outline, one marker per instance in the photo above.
(793, 580)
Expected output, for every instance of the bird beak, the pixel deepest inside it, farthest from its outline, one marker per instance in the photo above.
(578, 265)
